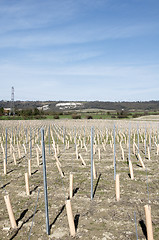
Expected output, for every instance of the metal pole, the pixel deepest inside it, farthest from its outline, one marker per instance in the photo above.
(6, 147)
(30, 144)
(138, 137)
(92, 133)
(45, 182)
(114, 156)
(150, 137)
(26, 137)
(129, 142)
(49, 139)
(64, 137)
(75, 137)
(157, 134)
(145, 139)
(12, 135)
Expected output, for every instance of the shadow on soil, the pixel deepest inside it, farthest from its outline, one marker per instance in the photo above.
(18, 229)
(95, 189)
(21, 216)
(76, 220)
(60, 212)
(143, 227)
(75, 191)
(33, 190)
(5, 185)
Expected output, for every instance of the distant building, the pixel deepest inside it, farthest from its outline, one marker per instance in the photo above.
(7, 111)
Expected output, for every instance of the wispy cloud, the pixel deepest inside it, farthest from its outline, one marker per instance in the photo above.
(79, 48)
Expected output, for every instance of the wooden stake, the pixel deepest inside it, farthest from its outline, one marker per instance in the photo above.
(5, 167)
(148, 222)
(37, 153)
(76, 152)
(131, 170)
(15, 162)
(60, 171)
(157, 149)
(140, 159)
(99, 153)
(71, 185)
(94, 171)
(122, 150)
(10, 211)
(70, 218)
(149, 154)
(27, 184)
(117, 187)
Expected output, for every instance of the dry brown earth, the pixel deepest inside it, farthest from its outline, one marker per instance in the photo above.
(102, 218)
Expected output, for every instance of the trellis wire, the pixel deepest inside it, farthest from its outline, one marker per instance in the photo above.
(135, 225)
(92, 135)
(114, 156)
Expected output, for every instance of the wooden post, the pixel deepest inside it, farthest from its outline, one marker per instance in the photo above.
(5, 166)
(131, 170)
(10, 211)
(19, 154)
(122, 153)
(148, 222)
(140, 159)
(70, 218)
(94, 171)
(60, 171)
(76, 152)
(99, 153)
(71, 185)
(37, 153)
(149, 153)
(157, 149)
(27, 184)
(117, 187)
(58, 149)
(15, 162)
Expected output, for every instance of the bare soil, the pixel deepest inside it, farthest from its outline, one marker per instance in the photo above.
(101, 218)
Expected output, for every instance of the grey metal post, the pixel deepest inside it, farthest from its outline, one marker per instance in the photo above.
(138, 137)
(150, 137)
(45, 182)
(75, 137)
(49, 139)
(114, 156)
(26, 136)
(145, 140)
(12, 135)
(129, 142)
(6, 147)
(84, 136)
(157, 134)
(64, 137)
(92, 136)
(30, 143)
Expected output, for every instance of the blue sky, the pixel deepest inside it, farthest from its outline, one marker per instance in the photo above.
(105, 50)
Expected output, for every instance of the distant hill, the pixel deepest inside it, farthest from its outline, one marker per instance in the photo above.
(58, 106)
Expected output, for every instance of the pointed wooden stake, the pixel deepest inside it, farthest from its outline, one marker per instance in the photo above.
(10, 211)
(70, 218)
